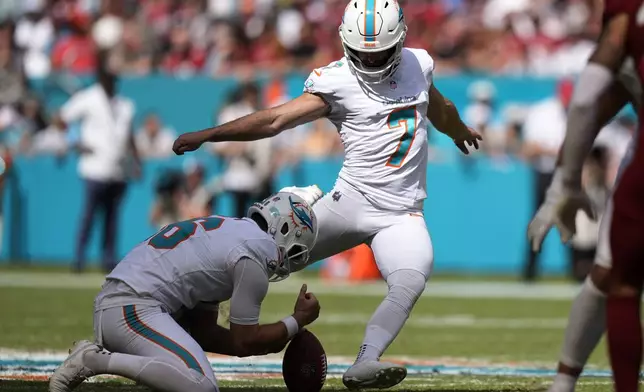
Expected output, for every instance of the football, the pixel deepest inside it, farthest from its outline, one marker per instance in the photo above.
(304, 364)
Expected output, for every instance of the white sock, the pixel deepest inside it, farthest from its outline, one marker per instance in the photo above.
(586, 325)
(563, 383)
(160, 374)
(405, 286)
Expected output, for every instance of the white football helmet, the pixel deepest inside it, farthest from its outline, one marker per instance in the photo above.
(373, 33)
(292, 223)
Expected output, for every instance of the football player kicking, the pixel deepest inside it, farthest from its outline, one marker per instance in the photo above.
(597, 98)
(157, 311)
(381, 97)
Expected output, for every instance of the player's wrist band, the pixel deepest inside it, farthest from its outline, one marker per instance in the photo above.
(291, 326)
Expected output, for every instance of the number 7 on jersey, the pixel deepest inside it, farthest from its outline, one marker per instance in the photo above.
(402, 118)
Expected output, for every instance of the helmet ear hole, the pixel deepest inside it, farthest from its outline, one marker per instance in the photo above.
(284, 229)
(295, 250)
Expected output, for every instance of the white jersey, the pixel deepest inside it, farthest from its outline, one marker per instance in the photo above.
(383, 128)
(192, 262)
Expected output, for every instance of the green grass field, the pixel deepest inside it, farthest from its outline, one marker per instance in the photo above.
(472, 334)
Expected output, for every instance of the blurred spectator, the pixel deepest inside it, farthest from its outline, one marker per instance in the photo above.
(247, 172)
(31, 122)
(514, 117)
(181, 195)
(106, 143)
(480, 112)
(212, 36)
(12, 87)
(154, 140)
(34, 36)
(51, 140)
(135, 52)
(544, 131)
(75, 52)
(168, 191)
(197, 201)
(183, 57)
(9, 137)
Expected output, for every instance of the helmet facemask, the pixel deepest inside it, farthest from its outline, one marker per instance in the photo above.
(372, 66)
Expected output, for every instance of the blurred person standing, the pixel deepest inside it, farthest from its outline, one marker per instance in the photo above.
(154, 140)
(480, 112)
(247, 173)
(544, 131)
(106, 144)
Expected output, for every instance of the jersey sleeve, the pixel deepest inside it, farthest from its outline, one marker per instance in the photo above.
(250, 285)
(321, 83)
(426, 63)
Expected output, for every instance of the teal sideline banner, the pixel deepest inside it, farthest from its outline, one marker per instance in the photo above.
(476, 211)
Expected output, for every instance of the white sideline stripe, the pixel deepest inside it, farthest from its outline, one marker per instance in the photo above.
(456, 321)
(504, 290)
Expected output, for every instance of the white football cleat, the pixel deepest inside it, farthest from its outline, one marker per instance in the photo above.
(373, 374)
(73, 371)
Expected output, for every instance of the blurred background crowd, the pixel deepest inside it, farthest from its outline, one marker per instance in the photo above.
(58, 40)
(224, 37)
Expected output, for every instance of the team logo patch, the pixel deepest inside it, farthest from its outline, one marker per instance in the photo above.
(393, 85)
(301, 215)
(336, 196)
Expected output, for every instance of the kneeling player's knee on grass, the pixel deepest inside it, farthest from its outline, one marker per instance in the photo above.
(405, 287)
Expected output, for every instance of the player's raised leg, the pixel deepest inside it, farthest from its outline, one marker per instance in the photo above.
(404, 254)
(338, 214)
(145, 345)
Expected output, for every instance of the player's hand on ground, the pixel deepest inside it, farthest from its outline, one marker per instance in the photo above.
(307, 308)
(469, 138)
(188, 142)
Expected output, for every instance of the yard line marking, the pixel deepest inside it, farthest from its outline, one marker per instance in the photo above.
(22, 365)
(456, 289)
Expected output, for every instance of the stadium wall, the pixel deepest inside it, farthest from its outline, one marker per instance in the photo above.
(477, 210)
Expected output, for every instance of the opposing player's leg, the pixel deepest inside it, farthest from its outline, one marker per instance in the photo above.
(404, 254)
(623, 305)
(586, 322)
(141, 343)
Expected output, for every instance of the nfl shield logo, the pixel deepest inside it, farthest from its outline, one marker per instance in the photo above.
(393, 85)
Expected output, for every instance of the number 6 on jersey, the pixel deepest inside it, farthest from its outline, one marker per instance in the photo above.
(405, 118)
